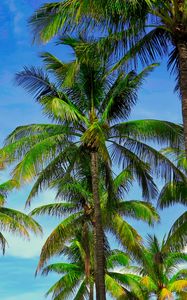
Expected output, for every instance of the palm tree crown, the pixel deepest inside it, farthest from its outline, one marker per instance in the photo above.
(155, 28)
(158, 267)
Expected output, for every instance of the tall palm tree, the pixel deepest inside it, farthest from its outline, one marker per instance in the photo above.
(166, 21)
(89, 102)
(12, 220)
(158, 267)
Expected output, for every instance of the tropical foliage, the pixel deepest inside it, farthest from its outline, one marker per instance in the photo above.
(159, 269)
(90, 139)
(148, 28)
(77, 211)
(12, 220)
(87, 102)
(75, 282)
(175, 192)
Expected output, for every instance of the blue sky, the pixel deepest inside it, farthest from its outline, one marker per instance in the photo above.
(156, 100)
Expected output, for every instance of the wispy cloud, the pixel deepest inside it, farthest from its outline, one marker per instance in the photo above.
(18, 247)
(17, 15)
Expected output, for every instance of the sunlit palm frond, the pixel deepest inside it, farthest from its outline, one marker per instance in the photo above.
(151, 130)
(56, 209)
(24, 220)
(62, 232)
(37, 157)
(139, 210)
(114, 288)
(117, 258)
(34, 129)
(124, 233)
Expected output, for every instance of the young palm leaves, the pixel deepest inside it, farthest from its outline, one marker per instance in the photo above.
(12, 220)
(90, 105)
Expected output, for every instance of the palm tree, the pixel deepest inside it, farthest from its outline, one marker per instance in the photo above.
(79, 208)
(165, 20)
(75, 283)
(13, 220)
(158, 267)
(89, 102)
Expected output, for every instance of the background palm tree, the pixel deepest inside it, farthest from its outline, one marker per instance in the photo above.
(79, 208)
(157, 28)
(158, 268)
(74, 283)
(12, 220)
(89, 102)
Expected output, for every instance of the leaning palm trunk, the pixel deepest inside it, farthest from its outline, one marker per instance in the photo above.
(182, 50)
(99, 262)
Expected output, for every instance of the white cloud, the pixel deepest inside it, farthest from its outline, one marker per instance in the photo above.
(22, 248)
(17, 15)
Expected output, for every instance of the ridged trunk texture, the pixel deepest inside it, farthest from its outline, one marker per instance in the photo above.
(99, 261)
(182, 49)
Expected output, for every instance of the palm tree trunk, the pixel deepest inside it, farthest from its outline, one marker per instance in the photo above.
(99, 261)
(182, 49)
(87, 262)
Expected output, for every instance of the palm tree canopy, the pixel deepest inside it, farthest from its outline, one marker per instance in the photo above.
(158, 268)
(87, 111)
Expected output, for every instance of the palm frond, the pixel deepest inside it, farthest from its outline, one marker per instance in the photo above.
(36, 158)
(34, 129)
(36, 82)
(60, 268)
(124, 233)
(3, 243)
(114, 288)
(140, 170)
(56, 209)
(61, 233)
(161, 132)
(117, 258)
(172, 193)
(177, 237)
(139, 210)
(178, 285)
